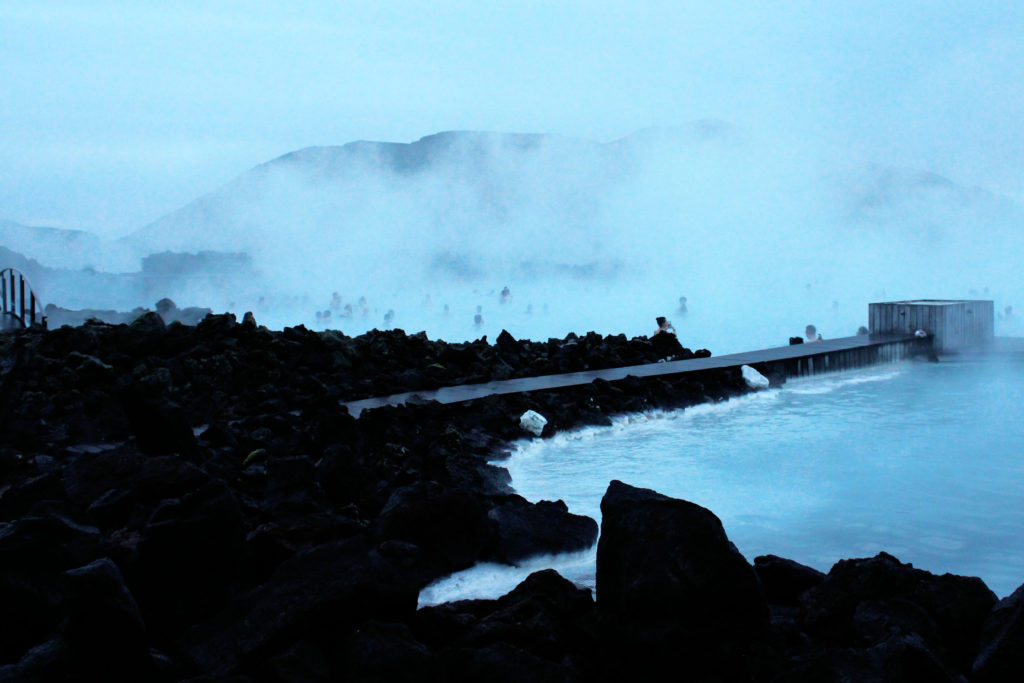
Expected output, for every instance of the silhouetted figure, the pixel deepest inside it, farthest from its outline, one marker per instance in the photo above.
(682, 305)
(347, 311)
(506, 294)
(389, 317)
(811, 334)
(319, 317)
(862, 330)
(335, 301)
(478, 320)
(165, 307)
(664, 326)
(664, 340)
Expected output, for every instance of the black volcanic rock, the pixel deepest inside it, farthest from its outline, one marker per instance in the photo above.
(526, 529)
(288, 541)
(546, 625)
(673, 593)
(188, 555)
(866, 600)
(329, 587)
(1001, 655)
(784, 581)
(449, 525)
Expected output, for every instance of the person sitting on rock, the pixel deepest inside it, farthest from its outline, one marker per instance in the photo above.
(664, 341)
(811, 334)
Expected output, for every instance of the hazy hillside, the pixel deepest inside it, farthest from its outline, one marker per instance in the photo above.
(53, 247)
(762, 236)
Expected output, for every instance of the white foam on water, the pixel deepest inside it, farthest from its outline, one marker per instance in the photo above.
(489, 580)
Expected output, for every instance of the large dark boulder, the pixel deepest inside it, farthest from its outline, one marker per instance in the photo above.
(526, 529)
(865, 601)
(673, 593)
(1001, 652)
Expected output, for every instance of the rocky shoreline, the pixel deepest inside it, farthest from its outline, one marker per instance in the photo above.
(194, 503)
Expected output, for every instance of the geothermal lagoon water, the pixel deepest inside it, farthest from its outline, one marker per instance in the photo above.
(924, 461)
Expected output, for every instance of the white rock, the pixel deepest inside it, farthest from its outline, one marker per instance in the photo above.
(532, 422)
(754, 379)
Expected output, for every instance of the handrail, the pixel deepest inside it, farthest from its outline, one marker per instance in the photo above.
(13, 288)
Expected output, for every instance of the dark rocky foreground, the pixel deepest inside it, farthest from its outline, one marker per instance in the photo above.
(194, 503)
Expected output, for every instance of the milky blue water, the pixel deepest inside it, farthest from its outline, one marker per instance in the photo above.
(924, 461)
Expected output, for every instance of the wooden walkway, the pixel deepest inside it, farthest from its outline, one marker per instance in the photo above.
(796, 360)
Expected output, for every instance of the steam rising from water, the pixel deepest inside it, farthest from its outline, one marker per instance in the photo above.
(762, 235)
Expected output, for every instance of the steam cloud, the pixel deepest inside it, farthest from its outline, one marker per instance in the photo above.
(760, 237)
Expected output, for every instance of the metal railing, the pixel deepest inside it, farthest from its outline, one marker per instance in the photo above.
(20, 306)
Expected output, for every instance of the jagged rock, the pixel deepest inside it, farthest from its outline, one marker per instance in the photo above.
(508, 344)
(526, 529)
(149, 323)
(946, 611)
(672, 591)
(545, 615)
(119, 484)
(1001, 651)
(784, 581)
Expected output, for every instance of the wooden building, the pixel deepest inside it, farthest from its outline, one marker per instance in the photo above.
(954, 324)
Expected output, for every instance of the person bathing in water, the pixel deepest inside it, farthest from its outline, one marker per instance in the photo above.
(811, 334)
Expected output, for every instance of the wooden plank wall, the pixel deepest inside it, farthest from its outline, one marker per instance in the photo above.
(849, 359)
(954, 324)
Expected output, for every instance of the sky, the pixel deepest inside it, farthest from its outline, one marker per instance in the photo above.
(113, 114)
